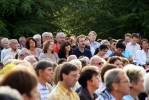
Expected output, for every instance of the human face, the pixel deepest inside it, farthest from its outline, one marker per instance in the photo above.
(68, 48)
(127, 39)
(94, 82)
(33, 61)
(104, 51)
(23, 41)
(47, 74)
(134, 40)
(145, 45)
(61, 38)
(32, 44)
(24, 54)
(119, 51)
(92, 37)
(6, 45)
(48, 37)
(113, 45)
(14, 45)
(81, 43)
(124, 85)
(87, 42)
(98, 62)
(118, 64)
(138, 86)
(71, 79)
(51, 46)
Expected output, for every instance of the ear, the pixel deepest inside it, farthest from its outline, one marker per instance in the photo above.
(115, 86)
(40, 72)
(64, 76)
(25, 97)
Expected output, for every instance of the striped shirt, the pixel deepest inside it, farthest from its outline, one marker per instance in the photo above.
(44, 91)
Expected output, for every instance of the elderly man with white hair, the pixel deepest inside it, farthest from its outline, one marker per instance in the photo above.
(37, 38)
(30, 59)
(60, 37)
(47, 36)
(96, 61)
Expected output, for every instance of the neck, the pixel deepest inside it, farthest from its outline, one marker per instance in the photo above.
(42, 81)
(49, 52)
(81, 49)
(116, 95)
(91, 91)
(134, 93)
(32, 48)
(145, 50)
(65, 85)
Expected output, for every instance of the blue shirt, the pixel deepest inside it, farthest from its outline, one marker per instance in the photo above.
(78, 53)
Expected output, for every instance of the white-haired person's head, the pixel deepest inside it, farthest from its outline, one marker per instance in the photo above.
(71, 57)
(7, 93)
(23, 53)
(47, 36)
(5, 43)
(30, 59)
(7, 58)
(96, 61)
(37, 36)
(76, 62)
(146, 84)
(60, 37)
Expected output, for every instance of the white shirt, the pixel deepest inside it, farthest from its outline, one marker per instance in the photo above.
(132, 48)
(141, 57)
(44, 91)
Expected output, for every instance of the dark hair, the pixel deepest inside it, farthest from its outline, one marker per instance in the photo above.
(66, 69)
(7, 97)
(62, 60)
(86, 75)
(28, 40)
(112, 59)
(101, 47)
(104, 69)
(21, 80)
(62, 50)
(42, 65)
(120, 45)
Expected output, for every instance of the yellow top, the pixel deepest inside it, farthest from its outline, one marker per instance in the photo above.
(61, 93)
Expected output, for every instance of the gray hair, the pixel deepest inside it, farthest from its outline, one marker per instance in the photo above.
(4, 40)
(27, 58)
(71, 57)
(133, 72)
(77, 63)
(146, 83)
(111, 76)
(93, 58)
(21, 52)
(45, 33)
(7, 58)
(22, 37)
(104, 42)
(59, 33)
(37, 36)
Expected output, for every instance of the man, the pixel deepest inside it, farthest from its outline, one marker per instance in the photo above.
(69, 75)
(135, 75)
(22, 41)
(47, 36)
(133, 46)
(117, 85)
(31, 59)
(120, 47)
(13, 50)
(60, 37)
(81, 50)
(44, 71)
(111, 49)
(127, 38)
(37, 38)
(92, 37)
(23, 53)
(96, 61)
(89, 80)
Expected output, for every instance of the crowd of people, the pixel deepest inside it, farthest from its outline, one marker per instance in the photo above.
(74, 67)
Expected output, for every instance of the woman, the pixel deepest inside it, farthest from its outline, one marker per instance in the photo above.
(142, 56)
(65, 50)
(116, 61)
(48, 53)
(31, 45)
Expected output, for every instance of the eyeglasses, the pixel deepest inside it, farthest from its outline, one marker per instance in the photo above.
(127, 81)
(99, 63)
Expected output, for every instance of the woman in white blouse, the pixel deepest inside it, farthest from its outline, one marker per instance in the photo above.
(142, 56)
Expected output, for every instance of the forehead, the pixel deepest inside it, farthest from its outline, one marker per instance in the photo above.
(73, 72)
(123, 76)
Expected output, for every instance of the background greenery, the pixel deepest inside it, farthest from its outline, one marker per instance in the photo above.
(106, 17)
